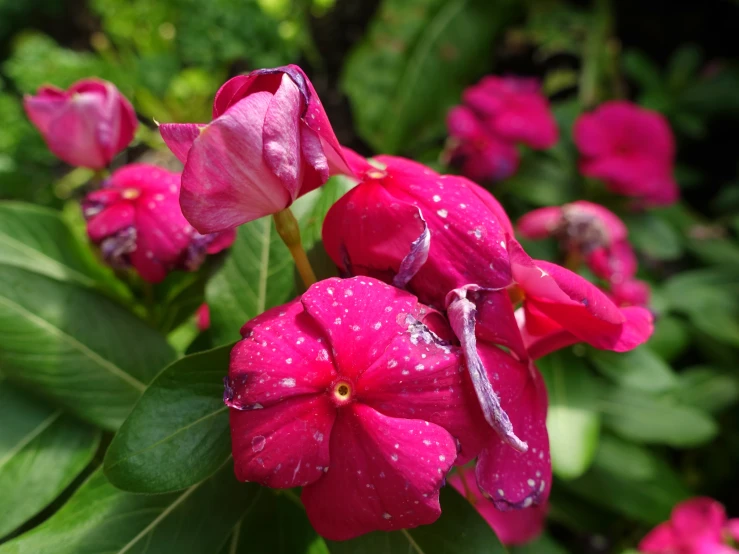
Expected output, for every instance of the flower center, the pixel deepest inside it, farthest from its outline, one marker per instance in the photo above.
(130, 194)
(342, 392)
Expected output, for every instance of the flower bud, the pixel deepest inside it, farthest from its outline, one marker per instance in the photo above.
(270, 141)
(86, 125)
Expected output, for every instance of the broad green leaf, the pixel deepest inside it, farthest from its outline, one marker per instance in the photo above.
(38, 239)
(178, 433)
(706, 388)
(542, 180)
(310, 210)
(100, 518)
(626, 459)
(647, 498)
(75, 346)
(275, 524)
(653, 236)
(710, 298)
(41, 452)
(640, 417)
(257, 275)
(670, 338)
(573, 439)
(573, 424)
(459, 530)
(413, 64)
(640, 369)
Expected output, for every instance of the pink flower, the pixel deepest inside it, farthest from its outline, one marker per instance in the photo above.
(270, 141)
(202, 317)
(497, 113)
(136, 220)
(348, 393)
(697, 526)
(513, 527)
(589, 231)
(86, 125)
(561, 308)
(630, 148)
(514, 109)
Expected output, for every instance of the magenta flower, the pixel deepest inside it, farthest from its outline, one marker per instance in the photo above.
(514, 527)
(589, 231)
(270, 141)
(514, 109)
(561, 308)
(86, 125)
(348, 393)
(697, 526)
(631, 149)
(497, 113)
(136, 220)
(202, 317)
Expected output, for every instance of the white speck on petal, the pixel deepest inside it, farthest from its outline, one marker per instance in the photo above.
(386, 515)
(442, 213)
(531, 483)
(288, 382)
(437, 198)
(257, 443)
(394, 457)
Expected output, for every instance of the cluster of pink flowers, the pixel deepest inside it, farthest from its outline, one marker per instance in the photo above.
(630, 148)
(594, 235)
(697, 526)
(368, 390)
(135, 216)
(497, 114)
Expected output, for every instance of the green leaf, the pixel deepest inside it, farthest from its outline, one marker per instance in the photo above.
(275, 524)
(257, 275)
(41, 452)
(706, 388)
(573, 424)
(573, 439)
(710, 299)
(651, 235)
(413, 64)
(543, 545)
(38, 239)
(178, 433)
(75, 346)
(648, 497)
(670, 338)
(101, 518)
(640, 369)
(459, 530)
(310, 210)
(542, 179)
(640, 417)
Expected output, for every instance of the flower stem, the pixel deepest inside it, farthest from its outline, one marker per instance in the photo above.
(289, 231)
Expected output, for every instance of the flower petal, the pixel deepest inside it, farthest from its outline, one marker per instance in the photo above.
(420, 376)
(513, 527)
(698, 520)
(110, 220)
(382, 475)
(360, 317)
(285, 445)
(226, 181)
(179, 137)
(515, 480)
(659, 540)
(260, 374)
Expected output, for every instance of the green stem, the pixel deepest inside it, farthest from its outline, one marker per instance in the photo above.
(594, 54)
(289, 231)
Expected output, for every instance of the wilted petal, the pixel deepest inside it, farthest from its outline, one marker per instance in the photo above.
(285, 445)
(281, 135)
(513, 527)
(382, 476)
(514, 479)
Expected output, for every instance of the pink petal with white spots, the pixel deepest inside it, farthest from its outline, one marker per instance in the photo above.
(285, 445)
(382, 476)
(179, 137)
(360, 317)
(283, 354)
(420, 376)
